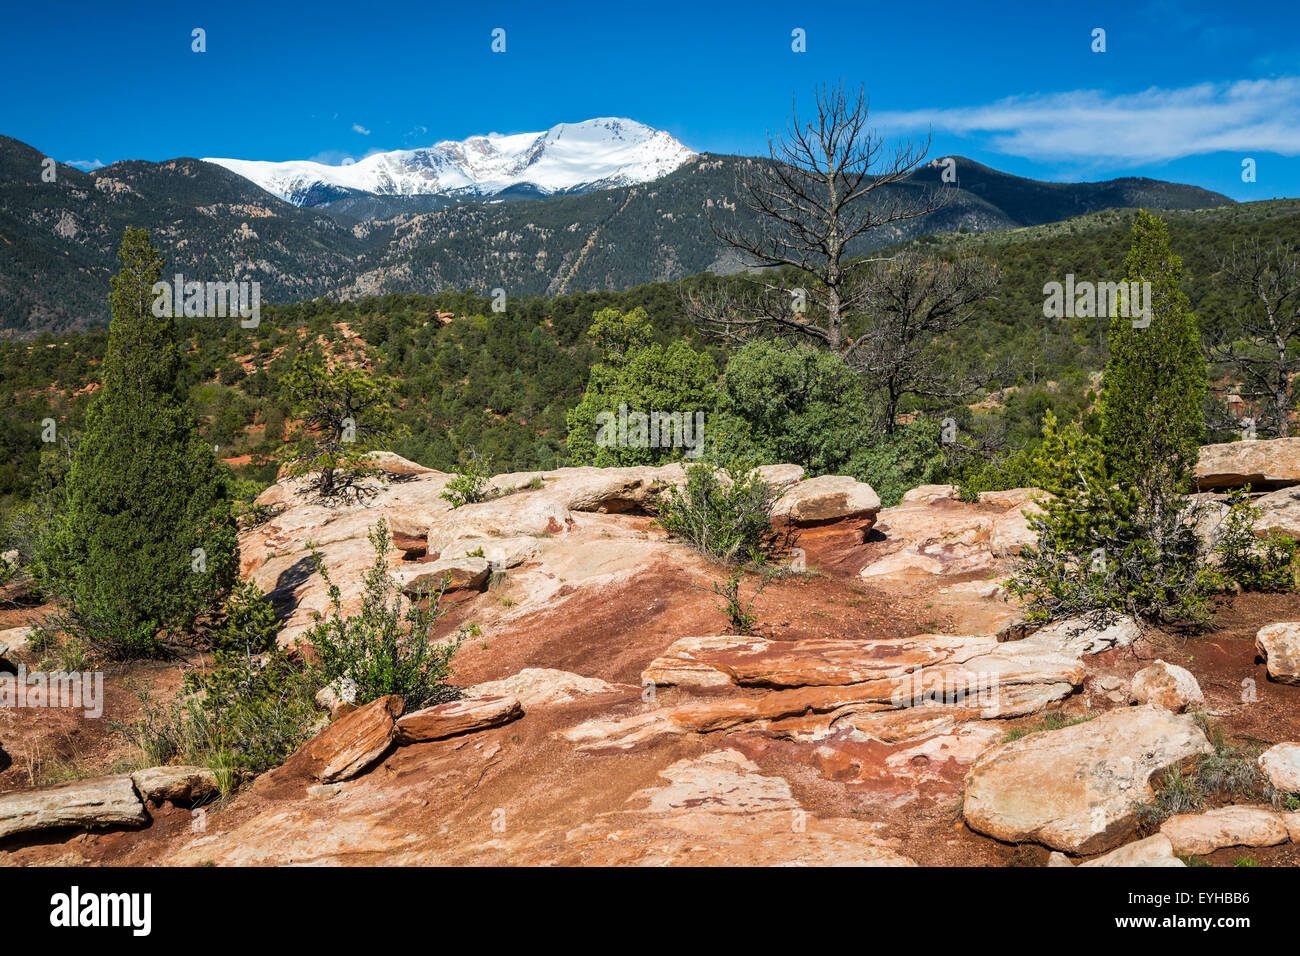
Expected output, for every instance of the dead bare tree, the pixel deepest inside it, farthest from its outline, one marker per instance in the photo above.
(914, 302)
(1258, 345)
(828, 184)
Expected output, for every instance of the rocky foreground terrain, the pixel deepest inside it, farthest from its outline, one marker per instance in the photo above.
(891, 708)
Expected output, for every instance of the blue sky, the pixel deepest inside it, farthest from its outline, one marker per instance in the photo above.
(1184, 91)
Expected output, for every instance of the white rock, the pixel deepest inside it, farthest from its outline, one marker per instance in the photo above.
(1281, 764)
(1167, 686)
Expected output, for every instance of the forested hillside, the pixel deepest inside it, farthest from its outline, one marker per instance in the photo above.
(502, 383)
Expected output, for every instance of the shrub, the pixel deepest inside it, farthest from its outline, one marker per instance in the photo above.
(386, 649)
(637, 378)
(1253, 564)
(470, 484)
(739, 612)
(894, 464)
(1098, 548)
(725, 514)
(247, 714)
(790, 402)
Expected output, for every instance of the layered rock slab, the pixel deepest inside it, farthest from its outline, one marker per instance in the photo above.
(103, 801)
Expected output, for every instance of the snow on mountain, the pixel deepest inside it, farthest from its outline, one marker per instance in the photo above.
(595, 154)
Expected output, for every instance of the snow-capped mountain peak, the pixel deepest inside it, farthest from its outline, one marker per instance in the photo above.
(596, 154)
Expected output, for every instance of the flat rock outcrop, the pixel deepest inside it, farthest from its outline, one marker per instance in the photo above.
(1077, 789)
(544, 686)
(100, 802)
(1279, 645)
(1260, 463)
(932, 533)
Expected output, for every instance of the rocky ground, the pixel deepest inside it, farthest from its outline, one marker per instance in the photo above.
(890, 709)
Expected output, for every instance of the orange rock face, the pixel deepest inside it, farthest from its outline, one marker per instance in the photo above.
(355, 741)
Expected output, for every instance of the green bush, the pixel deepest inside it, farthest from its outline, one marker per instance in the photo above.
(247, 714)
(782, 402)
(470, 484)
(1252, 563)
(386, 648)
(895, 464)
(725, 514)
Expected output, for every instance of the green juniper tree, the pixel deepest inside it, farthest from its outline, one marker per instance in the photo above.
(1121, 533)
(147, 542)
(1154, 384)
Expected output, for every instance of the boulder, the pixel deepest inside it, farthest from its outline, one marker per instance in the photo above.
(1196, 834)
(538, 686)
(175, 784)
(352, 743)
(1279, 645)
(1166, 686)
(338, 698)
(1078, 789)
(827, 498)
(1153, 851)
(1279, 512)
(457, 717)
(1262, 464)
(104, 801)
(397, 465)
(460, 574)
(1281, 764)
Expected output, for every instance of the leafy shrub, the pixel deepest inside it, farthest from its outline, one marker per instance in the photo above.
(247, 714)
(790, 402)
(739, 612)
(895, 464)
(1254, 564)
(385, 649)
(725, 514)
(470, 484)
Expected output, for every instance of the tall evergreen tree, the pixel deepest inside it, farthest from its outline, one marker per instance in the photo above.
(1155, 379)
(148, 539)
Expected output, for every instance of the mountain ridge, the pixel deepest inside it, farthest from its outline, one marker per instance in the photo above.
(59, 239)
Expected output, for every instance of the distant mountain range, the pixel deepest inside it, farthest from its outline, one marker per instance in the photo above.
(572, 157)
(606, 204)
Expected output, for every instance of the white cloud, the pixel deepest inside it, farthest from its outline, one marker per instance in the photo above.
(357, 127)
(84, 164)
(1090, 127)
